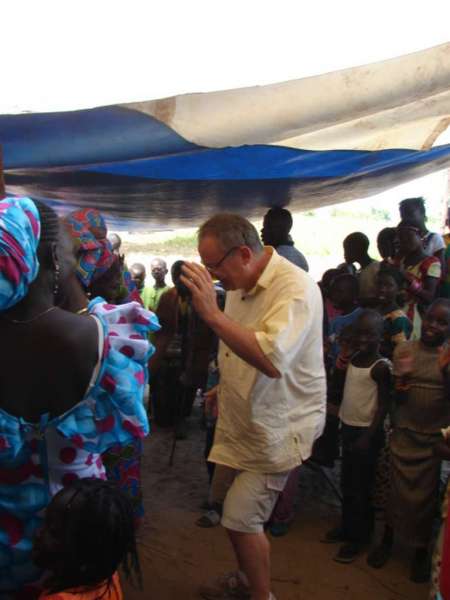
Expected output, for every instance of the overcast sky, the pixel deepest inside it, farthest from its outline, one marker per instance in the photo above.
(71, 54)
(61, 55)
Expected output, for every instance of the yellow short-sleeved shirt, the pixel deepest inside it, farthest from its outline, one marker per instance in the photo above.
(269, 425)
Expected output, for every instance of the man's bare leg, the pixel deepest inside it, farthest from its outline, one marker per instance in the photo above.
(253, 555)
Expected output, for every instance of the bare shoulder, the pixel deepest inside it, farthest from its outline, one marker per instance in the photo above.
(73, 333)
(58, 354)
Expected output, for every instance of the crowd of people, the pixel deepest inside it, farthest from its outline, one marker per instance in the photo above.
(386, 337)
(354, 369)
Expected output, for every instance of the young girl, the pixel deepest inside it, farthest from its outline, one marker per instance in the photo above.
(422, 272)
(387, 245)
(397, 329)
(88, 534)
(397, 326)
(413, 210)
(325, 284)
(344, 296)
(362, 412)
(422, 409)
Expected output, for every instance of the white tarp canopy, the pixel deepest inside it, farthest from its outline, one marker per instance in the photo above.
(85, 53)
(285, 106)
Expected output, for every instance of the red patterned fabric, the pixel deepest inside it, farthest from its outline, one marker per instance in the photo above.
(103, 591)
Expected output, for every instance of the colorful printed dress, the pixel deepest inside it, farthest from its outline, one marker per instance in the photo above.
(422, 409)
(104, 591)
(38, 459)
(397, 329)
(123, 462)
(428, 267)
(128, 291)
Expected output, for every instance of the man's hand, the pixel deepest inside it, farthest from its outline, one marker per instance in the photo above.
(210, 398)
(200, 284)
(239, 339)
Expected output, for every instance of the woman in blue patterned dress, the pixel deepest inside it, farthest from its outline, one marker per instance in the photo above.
(99, 273)
(71, 386)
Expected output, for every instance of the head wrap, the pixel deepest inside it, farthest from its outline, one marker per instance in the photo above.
(20, 231)
(94, 251)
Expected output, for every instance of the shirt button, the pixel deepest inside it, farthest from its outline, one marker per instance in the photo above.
(227, 354)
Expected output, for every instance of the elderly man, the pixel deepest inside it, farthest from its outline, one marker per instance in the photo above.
(271, 396)
(152, 295)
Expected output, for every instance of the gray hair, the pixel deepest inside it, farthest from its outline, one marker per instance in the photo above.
(231, 230)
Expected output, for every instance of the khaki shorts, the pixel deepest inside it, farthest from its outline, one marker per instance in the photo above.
(248, 498)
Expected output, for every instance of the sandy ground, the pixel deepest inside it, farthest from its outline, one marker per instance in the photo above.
(177, 556)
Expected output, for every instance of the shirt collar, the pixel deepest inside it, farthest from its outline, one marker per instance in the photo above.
(267, 276)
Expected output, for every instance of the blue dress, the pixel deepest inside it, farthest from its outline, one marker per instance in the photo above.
(38, 459)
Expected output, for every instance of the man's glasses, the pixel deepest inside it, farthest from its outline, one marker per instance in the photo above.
(217, 265)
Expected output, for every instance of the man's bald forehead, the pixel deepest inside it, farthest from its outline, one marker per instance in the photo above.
(159, 262)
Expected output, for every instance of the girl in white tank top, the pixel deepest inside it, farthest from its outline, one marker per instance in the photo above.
(362, 412)
(360, 399)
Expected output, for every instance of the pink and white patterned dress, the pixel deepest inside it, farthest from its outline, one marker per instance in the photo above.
(38, 459)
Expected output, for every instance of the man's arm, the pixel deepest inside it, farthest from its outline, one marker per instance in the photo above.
(239, 339)
(242, 341)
